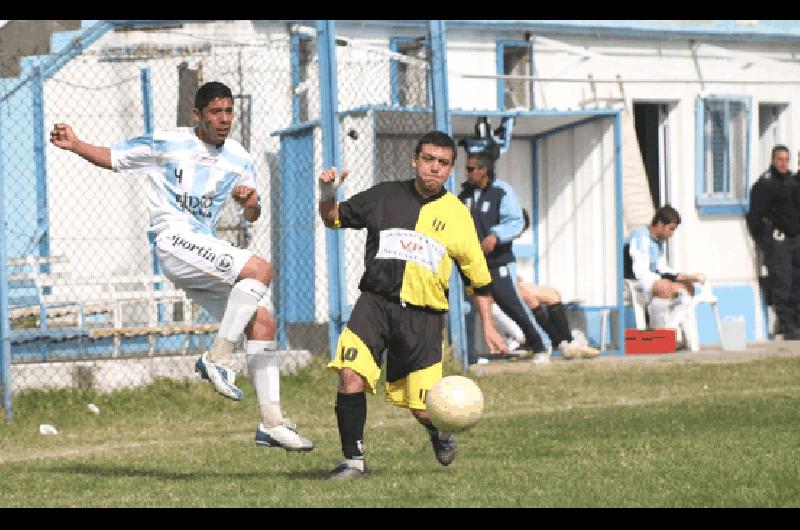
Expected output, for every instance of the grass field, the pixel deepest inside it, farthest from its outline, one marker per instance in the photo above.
(580, 434)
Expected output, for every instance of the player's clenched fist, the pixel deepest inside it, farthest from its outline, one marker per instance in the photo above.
(329, 181)
(62, 136)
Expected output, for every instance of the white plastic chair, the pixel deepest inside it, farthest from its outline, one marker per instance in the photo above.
(638, 308)
(705, 296)
(689, 324)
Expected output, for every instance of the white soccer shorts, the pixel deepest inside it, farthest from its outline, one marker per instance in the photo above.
(204, 266)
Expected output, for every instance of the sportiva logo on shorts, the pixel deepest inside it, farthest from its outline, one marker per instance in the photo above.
(224, 263)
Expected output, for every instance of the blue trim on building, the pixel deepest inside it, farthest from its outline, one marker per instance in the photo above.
(732, 300)
(738, 209)
(726, 206)
(620, 237)
(764, 30)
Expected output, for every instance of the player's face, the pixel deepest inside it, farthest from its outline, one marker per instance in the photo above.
(214, 121)
(433, 166)
(665, 231)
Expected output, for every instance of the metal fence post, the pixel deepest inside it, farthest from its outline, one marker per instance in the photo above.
(146, 79)
(326, 50)
(441, 113)
(5, 342)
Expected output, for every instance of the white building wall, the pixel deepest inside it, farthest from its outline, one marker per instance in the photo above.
(577, 193)
(625, 71)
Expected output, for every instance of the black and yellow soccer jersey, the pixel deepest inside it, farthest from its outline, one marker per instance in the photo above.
(411, 242)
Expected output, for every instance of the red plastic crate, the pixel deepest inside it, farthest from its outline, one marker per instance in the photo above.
(649, 341)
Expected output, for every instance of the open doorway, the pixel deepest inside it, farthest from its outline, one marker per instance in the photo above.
(770, 131)
(652, 133)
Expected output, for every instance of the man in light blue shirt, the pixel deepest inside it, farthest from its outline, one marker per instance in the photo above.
(666, 293)
(191, 172)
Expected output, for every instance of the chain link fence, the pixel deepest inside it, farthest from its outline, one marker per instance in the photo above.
(385, 103)
(87, 304)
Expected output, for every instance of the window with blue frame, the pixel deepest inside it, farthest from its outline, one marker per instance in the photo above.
(723, 147)
(514, 70)
(409, 77)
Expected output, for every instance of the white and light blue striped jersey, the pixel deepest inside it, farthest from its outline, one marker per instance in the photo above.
(648, 257)
(188, 179)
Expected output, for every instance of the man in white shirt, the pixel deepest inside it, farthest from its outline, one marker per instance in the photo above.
(190, 173)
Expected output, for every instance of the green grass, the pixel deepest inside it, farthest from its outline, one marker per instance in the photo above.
(585, 434)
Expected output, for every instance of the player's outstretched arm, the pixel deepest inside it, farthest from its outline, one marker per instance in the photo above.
(494, 341)
(329, 182)
(62, 136)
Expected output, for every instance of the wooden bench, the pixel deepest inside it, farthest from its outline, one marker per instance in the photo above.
(26, 299)
(151, 293)
(49, 296)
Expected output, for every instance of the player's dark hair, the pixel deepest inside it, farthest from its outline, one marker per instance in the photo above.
(439, 139)
(667, 215)
(209, 91)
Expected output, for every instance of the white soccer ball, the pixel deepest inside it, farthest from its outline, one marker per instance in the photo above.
(455, 403)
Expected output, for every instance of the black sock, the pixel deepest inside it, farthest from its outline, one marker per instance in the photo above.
(544, 321)
(351, 415)
(432, 430)
(559, 320)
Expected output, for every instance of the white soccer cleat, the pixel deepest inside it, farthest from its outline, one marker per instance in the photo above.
(283, 435)
(220, 376)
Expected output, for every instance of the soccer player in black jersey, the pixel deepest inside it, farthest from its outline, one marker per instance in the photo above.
(415, 230)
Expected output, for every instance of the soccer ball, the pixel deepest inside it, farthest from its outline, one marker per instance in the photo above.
(455, 403)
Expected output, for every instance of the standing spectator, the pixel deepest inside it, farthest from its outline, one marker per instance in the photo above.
(499, 220)
(415, 229)
(774, 224)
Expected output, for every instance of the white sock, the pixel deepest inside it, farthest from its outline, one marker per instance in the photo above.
(262, 366)
(679, 308)
(242, 303)
(659, 310)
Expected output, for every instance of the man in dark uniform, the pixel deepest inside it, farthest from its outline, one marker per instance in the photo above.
(415, 229)
(774, 223)
(499, 220)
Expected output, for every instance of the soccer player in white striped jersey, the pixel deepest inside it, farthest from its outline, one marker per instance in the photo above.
(191, 171)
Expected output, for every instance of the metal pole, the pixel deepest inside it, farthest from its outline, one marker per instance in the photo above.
(326, 50)
(5, 329)
(145, 78)
(620, 235)
(441, 113)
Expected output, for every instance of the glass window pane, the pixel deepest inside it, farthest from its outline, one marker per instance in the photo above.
(725, 129)
(517, 61)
